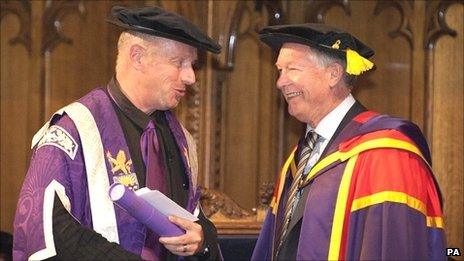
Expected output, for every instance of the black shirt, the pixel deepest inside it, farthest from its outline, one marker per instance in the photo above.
(133, 122)
(75, 241)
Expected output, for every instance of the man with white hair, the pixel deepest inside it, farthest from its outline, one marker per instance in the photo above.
(359, 185)
(123, 133)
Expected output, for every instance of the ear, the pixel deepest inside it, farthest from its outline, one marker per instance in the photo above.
(136, 53)
(336, 73)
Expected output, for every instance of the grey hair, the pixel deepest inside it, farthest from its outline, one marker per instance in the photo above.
(127, 39)
(325, 59)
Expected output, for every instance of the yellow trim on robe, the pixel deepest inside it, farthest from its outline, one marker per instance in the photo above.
(367, 145)
(381, 143)
(397, 197)
(275, 201)
(435, 222)
(342, 156)
(293, 168)
(340, 208)
(391, 196)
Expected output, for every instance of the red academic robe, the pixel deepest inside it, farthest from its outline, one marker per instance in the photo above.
(372, 197)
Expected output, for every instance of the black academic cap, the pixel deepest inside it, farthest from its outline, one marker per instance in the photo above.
(324, 38)
(319, 36)
(159, 22)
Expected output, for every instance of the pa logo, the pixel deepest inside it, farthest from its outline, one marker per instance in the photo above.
(453, 251)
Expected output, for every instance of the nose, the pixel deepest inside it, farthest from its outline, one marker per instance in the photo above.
(282, 81)
(188, 76)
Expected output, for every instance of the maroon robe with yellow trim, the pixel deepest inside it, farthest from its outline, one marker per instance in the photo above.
(372, 196)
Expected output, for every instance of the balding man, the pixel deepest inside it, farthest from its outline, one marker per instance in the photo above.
(123, 133)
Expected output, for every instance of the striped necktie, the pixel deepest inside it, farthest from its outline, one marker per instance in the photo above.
(305, 152)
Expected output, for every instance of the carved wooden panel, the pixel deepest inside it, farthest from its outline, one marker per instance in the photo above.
(16, 66)
(248, 103)
(75, 57)
(22, 10)
(229, 217)
(444, 117)
(381, 26)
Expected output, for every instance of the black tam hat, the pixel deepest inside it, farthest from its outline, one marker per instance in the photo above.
(324, 38)
(159, 22)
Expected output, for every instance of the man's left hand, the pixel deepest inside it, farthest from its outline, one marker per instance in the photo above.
(187, 244)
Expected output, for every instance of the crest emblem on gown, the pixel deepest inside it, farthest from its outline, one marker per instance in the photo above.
(60, 138)
(121, 168)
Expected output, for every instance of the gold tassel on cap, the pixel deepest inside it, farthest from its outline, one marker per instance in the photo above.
(356, 64)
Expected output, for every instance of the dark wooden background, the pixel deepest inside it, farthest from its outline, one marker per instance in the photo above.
(53, 52)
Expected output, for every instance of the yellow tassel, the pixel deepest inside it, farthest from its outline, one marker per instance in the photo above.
(356, 64)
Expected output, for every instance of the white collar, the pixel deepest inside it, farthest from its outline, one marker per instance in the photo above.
(329, 124)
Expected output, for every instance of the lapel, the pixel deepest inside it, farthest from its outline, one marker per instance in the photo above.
(356, 109)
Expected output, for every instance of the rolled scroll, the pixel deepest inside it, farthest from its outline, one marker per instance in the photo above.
(143, 211)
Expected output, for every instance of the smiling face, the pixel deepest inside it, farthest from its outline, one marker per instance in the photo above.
(166, 72)
(305, 84)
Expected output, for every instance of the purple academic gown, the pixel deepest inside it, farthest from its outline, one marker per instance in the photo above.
(58, 166)
(382, 231)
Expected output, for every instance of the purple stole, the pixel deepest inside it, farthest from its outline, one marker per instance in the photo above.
(131, 232)
(49, 167)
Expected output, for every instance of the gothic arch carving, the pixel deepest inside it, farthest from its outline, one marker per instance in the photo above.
(435, 28)
(228, 37)
(274, 8)
(22, 9)
(316, 10)
(405, 9)
(436, 25)
(55, 12)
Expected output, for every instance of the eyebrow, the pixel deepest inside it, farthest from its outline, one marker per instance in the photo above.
(291, 63)
(179, 58)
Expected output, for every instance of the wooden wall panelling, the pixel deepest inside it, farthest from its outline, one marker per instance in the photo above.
(16, 46)
(22, 11)
(417, 98)
(79, 49)
(242, 113)
(207, 156)
(444, 115)
(388, 88)
(74, 50)
(20, 116)
(385, 27)
(249, 105)
(222, 12)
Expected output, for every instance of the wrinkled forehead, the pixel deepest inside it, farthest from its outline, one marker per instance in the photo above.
(293, 52)
(171, 48)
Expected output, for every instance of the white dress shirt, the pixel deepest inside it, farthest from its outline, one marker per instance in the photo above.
(326, 129)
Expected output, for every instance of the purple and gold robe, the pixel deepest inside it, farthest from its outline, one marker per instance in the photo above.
(78, 155)
(371, 197)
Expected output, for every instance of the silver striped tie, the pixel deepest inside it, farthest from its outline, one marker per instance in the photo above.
(307, 148)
